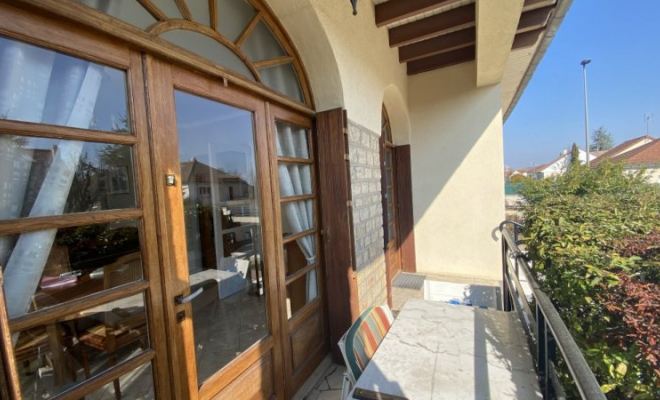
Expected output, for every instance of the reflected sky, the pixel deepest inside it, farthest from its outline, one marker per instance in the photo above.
(215, 134)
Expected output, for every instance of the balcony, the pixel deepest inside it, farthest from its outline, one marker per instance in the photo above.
(516, 308)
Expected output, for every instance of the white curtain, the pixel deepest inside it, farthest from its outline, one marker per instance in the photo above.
(296, 180)
(24, 76)
(29, 92)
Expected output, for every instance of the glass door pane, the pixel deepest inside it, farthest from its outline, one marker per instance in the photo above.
(223, 229)
(72, 243)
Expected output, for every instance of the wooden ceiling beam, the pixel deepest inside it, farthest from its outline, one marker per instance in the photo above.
(534, 4)
(435, 25)
(437, 45)
(397, 10)
(441, 60)
(535, 19)
(527, 39)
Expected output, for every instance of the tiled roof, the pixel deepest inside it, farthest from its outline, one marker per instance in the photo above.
(188, 167)
(618, 150)
(646, 154)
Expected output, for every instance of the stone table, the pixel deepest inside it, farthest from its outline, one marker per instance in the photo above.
(440, 351)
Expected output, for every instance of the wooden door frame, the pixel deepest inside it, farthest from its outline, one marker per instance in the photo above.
(70, 39)
(165, 151)
(294, 378)
(84, 41)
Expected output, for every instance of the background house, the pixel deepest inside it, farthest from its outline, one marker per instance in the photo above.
(555, 167)
(645, 158)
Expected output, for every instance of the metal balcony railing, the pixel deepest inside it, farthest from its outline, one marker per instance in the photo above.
(546, 332)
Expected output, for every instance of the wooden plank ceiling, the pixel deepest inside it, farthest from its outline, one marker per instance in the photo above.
(433, 34)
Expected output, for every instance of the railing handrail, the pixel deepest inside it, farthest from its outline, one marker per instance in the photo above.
(584, 378)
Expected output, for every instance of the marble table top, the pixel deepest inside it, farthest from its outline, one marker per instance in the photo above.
(439, 351)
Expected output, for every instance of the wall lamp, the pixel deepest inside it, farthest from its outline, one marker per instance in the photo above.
(354, 3)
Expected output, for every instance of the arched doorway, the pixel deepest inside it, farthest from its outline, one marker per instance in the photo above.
(170, 186)
(396, 193)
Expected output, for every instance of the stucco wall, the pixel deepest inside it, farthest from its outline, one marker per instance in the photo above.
(348, 59)
(457, 170)
(651, 173)
(350, 65)
(455, 129)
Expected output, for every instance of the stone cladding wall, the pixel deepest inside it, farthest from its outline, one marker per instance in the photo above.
(367, 216)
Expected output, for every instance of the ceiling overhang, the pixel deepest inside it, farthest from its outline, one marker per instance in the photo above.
(432, 34)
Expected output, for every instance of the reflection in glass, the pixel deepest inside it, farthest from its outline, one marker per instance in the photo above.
(43, 86)
(291, 141)
(283, 78)
(233, 17)
(223, 229)
(208, 48)
(295, 254)
(137, 384)
(300, 292)
(262, 44)
(129, 11)
(169, 7)
(82, 260)
(103, 178)
(54, 357)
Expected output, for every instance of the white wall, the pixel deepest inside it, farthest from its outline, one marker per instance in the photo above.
(347, 58)
(454, 129)
(457, 170)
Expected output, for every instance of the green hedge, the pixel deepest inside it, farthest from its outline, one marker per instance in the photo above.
(594, 240)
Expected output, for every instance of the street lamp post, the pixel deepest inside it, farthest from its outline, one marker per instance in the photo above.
(586, 107)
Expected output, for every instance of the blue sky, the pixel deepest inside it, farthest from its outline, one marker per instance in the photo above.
(622, 38)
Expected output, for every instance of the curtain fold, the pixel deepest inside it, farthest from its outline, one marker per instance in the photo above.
(24, 74)
(37, 97)
(296, 180)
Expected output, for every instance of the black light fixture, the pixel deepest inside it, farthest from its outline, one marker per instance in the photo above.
(354, 3)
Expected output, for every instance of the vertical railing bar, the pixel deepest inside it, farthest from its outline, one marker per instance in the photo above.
(505, 286)
(540, 348)
(551, 356)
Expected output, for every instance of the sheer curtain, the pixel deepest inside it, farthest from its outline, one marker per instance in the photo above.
(296, 180)
(29, 91)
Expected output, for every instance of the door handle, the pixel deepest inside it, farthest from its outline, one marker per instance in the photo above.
(180, 299)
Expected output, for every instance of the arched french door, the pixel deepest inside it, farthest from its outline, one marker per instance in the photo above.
(168, 218)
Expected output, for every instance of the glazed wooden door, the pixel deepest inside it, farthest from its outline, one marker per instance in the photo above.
(300, 273)
(217, 224)
(80, 311)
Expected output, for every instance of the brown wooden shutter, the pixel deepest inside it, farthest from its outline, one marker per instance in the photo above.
(406, 220)
(336, 215)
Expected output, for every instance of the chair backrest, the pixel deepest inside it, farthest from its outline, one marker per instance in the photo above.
(363, 338)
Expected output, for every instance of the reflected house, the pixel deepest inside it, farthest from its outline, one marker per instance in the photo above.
(198, 198)
(221, 217)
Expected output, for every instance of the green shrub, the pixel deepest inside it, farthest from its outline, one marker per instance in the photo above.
(594, 240)
(518, 178)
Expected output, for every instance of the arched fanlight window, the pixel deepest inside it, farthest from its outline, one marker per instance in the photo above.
(240, 35)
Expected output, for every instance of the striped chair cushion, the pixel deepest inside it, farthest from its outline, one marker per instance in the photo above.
(365, 336)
